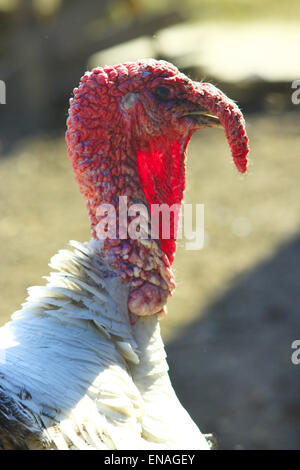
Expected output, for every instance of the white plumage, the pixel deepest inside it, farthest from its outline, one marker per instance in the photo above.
(76, 374)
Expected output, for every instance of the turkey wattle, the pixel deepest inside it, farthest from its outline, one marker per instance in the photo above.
(83, 364)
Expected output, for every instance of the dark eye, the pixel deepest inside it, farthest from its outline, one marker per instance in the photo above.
(163, 92)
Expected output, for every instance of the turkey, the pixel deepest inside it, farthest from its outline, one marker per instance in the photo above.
(82, 364)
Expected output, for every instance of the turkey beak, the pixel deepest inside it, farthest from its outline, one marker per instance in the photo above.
(202, 118)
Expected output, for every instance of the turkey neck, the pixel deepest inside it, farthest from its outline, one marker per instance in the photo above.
(140, 262)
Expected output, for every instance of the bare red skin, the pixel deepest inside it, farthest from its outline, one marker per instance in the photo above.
(232, 120)
(147, 297)
(122, 142)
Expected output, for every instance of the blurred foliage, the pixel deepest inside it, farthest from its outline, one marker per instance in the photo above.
(200, 9)
(238, 10)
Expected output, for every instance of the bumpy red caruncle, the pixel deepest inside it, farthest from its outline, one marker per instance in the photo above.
(122, 141)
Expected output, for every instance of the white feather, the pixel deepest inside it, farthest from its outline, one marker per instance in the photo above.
(82, 373)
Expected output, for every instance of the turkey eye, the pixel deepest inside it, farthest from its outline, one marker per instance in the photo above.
(163, 92)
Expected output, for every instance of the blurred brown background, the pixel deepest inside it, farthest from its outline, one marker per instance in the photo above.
(236, 310)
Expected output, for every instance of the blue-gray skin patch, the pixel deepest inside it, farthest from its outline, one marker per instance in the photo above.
(129, 100)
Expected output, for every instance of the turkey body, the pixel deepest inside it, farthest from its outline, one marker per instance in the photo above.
(76, 374)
